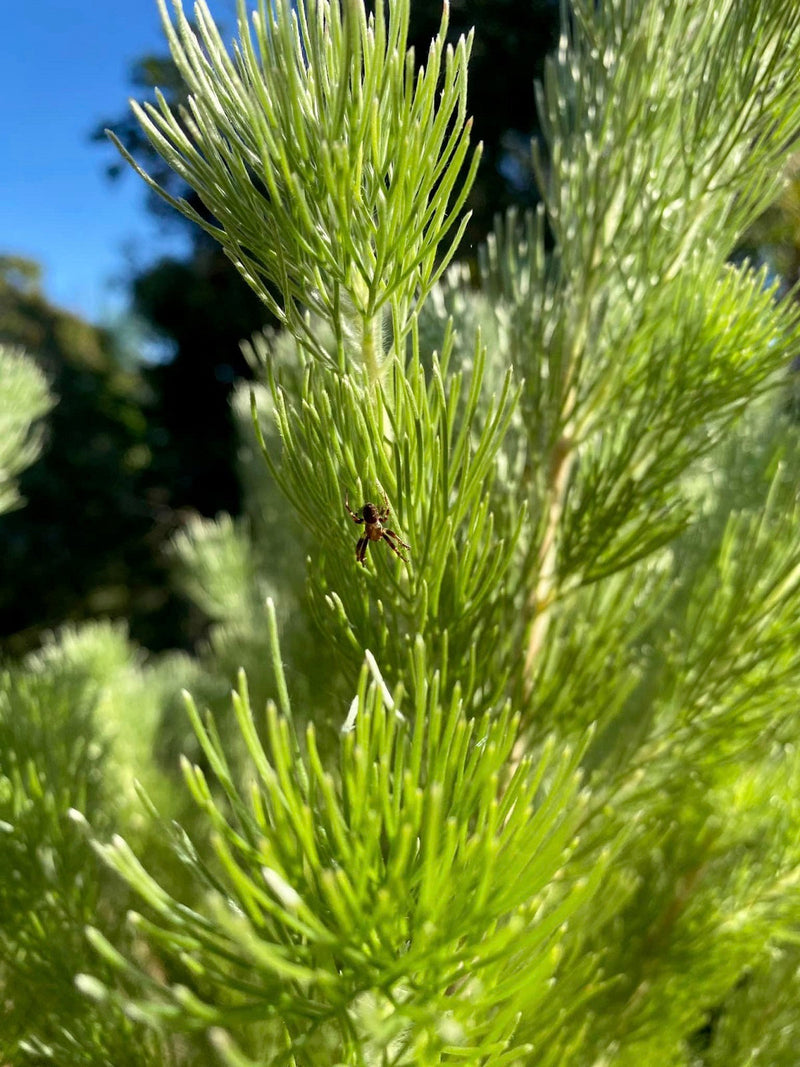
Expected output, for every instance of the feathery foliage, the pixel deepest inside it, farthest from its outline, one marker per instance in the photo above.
(537, 802)
(389, 897)
(54, 756)
(346, 215)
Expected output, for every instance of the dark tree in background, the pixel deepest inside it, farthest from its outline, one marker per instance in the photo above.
(200, 306)
(88, 541)
(512, 38)
(204, 310)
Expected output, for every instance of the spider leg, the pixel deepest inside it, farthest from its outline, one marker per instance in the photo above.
(386, 509)
(392, 534)
(353, 515)
(361, 549)
(388, 536)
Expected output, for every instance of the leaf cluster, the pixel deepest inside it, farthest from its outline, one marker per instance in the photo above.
(431, 445)
(391, 905)
(54, 758)
(349, 214)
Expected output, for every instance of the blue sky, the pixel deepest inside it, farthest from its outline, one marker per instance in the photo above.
(64, 67)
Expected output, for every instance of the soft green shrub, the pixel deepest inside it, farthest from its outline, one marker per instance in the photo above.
(535, 803)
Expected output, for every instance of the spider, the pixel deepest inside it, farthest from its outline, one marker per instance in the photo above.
(374, 530)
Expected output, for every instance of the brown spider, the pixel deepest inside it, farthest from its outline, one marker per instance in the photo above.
(374, 530)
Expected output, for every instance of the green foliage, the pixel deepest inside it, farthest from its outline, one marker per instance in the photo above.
(601, 505)
(54, 759)
(517, 33)
(388, 897)
(347, 214)
(456, 597)
(24, 399)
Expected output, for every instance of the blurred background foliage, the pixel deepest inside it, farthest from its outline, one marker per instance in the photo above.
(86, 543)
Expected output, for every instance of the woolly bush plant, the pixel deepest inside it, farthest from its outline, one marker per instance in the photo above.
(538, 802)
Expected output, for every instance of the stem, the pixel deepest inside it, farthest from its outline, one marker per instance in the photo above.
(543, 591)
(562, 460)
(372, 357)
(372, 348)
